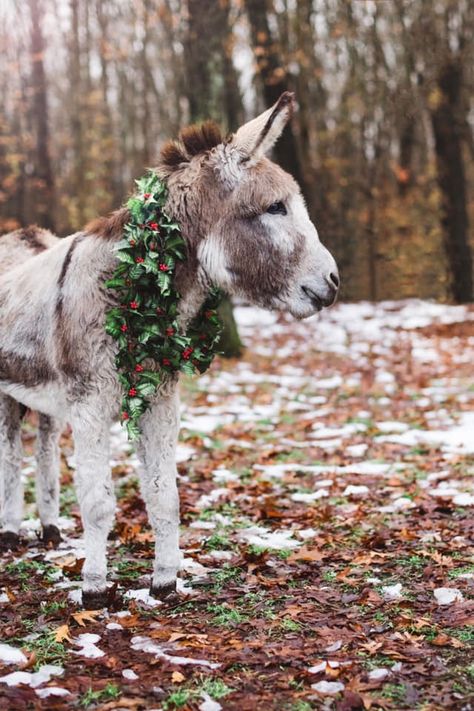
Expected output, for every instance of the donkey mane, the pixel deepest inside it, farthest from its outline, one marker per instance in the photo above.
(192, 141)
(110, 226)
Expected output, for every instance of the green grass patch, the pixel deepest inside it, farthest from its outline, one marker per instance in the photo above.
(108, 693)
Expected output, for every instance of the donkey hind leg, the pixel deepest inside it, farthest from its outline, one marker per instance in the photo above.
(11, 488)
(97, 502)
(47, 478)
(160, 426)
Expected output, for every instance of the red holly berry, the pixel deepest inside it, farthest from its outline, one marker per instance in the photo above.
(169, 331)
(152, 245)
(124, 327)
(164, 267)
(132, 392)
(208, 314)
(153, 225)
(125, 415)
(138, 368)
(187, 352)
(160, 311)
(132, 243)
(147, 195)
(166, 361)
(134, 304)
(139, 260)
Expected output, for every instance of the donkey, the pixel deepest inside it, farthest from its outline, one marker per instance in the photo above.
(246, 231)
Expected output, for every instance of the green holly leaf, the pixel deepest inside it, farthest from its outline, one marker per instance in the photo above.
(125, 257)
(147, 389)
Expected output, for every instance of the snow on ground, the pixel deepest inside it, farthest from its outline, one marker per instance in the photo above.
(353, 427)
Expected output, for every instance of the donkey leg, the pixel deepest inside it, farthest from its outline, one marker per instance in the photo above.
(11, 488)
(97, 502)
(47, 478)
(160, 426)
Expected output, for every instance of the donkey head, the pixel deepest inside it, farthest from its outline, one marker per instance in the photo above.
(244, 217)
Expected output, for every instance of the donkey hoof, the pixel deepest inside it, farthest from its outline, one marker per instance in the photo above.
(9, 541)
(51, 537)
(160, 592)
(95, 599)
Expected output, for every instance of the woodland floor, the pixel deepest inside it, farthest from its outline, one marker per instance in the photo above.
(327, 503)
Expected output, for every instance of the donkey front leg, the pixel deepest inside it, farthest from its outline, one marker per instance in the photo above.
(97, 502)
(11, 488)
(47, 478)
(157, 450)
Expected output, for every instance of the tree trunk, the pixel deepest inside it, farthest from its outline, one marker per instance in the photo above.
(43, 172)
(447, 130)
(274, 78)
(76, 114)
(206, 40)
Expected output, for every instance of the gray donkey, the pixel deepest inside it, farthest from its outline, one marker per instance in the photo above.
(247, 232)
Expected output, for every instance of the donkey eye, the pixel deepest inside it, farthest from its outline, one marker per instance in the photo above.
(277, 208)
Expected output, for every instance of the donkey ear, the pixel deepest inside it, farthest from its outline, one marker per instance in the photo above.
(258, 136)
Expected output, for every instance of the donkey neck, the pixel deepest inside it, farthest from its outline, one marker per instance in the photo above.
(190, 281)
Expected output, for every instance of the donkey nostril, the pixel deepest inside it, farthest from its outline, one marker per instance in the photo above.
(335, 279)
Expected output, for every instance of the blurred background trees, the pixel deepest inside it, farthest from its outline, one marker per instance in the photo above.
(382, 143)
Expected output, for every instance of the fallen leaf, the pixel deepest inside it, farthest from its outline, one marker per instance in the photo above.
(177, 677)
(85, 616)
(308, 554)
(62, 633)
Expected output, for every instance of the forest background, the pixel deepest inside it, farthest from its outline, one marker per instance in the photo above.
(382, 142)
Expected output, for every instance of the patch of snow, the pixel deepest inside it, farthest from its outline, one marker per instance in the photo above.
(52, 691)
(33, 679)
(392, 592)
(309, 498)
(203, 525)
(457, 440)
(75, 596)
(142, 595)
(317, 668)
(378, 674)
(209, 704)
(206, 424)
(259, 536)
(334, 647)
(329, 383)
(357, 450)
(184, 588)
(306, 533)
(328, 688)
(446, 596)
(224, 475)
(129, 674)
(4, 597)
(355, 490)
(206, 500)
(401, 503)
(392, 426)
(464, 500)
(113, 626)
(184, 452)
(11, 655)
(219, 555)
(145, 644)
(192, 567)
(87, 644)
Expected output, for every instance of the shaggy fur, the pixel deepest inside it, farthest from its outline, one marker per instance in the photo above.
(56, 358)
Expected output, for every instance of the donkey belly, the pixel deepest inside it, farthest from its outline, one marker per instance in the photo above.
(49, 399)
